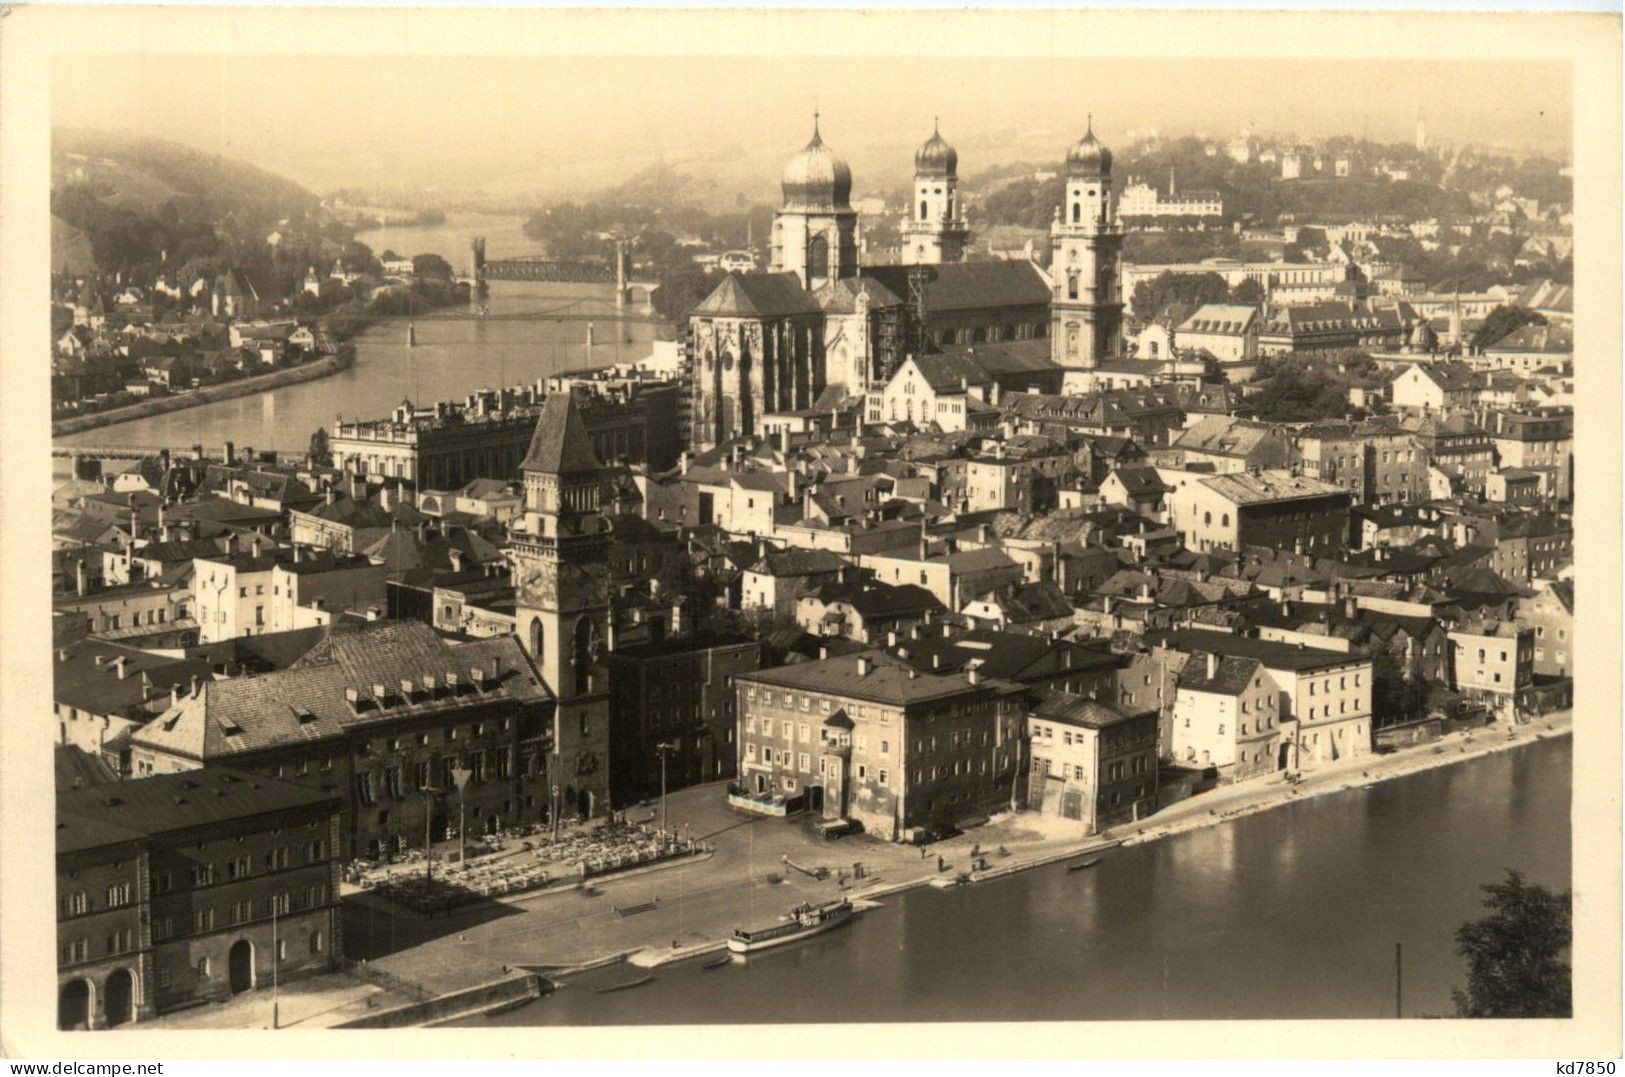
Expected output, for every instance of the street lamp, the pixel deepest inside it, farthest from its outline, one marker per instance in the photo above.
(429, 793)
(460, 775)
(663, 747)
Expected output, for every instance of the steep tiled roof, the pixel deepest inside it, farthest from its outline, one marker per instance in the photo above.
(1263, 486)
(873, 675)
(970, 285)
(1080, 711)
(101, 815)
(561, 444)
(758, 295)
(307, 702)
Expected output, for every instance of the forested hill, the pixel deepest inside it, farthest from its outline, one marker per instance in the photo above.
(128, 202)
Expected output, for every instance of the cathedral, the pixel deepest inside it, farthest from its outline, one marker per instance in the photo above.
(818, 328)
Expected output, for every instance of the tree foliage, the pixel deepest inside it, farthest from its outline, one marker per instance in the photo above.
(1517, 956)
(1153, 297)
(1503, 321)
(1296, 389)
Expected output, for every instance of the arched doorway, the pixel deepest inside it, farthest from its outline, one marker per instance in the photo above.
(73, 1006)
(120, 998)
(241, 965)
(584, 803)
(491, 824)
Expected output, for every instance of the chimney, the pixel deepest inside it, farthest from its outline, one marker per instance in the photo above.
(456, 560)
(1286, 607)
(1106, 605)
(298, 553)
(174, 695)
(790, 479)
(1212, 665)
(973, 675)
(682, 462)
(229, 454)
(80, 582)
(982, 532)
(891, 639)
(373, 613)
(1145, 592)
(120, 664)
(936, 661)
(386, 498)
(194, 686)
(332, 494)
(1350, 607)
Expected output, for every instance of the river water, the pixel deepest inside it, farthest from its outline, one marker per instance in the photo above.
(455, 354)
(1290, 913)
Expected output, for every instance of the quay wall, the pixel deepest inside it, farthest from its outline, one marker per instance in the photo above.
(259, 383)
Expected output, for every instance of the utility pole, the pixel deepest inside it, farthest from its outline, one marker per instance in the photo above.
(1399, 979)
(276, 960)
(663, 747)
(460, 775)
(428, 834)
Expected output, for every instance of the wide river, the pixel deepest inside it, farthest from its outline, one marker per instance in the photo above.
(1290, 913)
(455, 354)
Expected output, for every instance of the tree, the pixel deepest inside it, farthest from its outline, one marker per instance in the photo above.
(1395, 698)
(1516, 963)
(320, 454)
(1248, 291)
(1153, 297)
(431, 266)
(1504, 321)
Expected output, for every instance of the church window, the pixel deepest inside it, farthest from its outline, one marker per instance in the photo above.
(922, 210)
(536, 638)
(1072, 286)
(1077, 212)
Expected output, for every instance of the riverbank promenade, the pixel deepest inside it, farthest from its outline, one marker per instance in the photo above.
(675, 911)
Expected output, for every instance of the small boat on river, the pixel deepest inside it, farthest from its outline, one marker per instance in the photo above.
(805, 921)
(1080, 865)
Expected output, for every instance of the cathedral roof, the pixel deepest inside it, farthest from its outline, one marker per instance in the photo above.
(561, 443)
(817, 179)
(936, 158)
(758, 295)
(971, 285)
(1088, 157)
(840, 296)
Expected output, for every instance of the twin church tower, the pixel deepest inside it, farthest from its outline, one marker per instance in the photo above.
(819, 320)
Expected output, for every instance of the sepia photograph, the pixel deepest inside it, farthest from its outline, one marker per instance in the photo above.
(913, 521)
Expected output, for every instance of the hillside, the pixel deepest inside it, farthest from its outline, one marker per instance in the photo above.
(124, 202)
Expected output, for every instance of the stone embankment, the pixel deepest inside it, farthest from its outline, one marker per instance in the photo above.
(259, 383)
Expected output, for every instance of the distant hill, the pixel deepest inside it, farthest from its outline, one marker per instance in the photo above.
(125, 202)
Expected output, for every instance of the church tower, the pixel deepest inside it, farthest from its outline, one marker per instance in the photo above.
(562, 607)
(935, 232)
(815, 233)
(1086, 309)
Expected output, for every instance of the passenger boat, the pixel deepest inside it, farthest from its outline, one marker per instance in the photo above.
(805, 921)
(1080, 865)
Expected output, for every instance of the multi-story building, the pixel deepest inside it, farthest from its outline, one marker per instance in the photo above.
(1086, 240)
(1324, 709)
(672, 712)
(868, 737)
(1550, 612)
(1091, 761)
(185, 888)
(1492, 662)
(1231, 445)
(102, 690)
(1538, 439)
(1378, 464)
(1276, 509)
(383, 715)
(1226, 331)
(1225, 716)
(1457, 446)
(275, 590)
(1143, 203)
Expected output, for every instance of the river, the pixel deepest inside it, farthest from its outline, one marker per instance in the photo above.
(455, 354)
(1290, 913)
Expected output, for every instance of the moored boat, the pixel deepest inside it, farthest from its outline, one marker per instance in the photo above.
(805, 921)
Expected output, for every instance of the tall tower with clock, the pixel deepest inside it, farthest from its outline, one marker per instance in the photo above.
(1086, 239)
(562, 608)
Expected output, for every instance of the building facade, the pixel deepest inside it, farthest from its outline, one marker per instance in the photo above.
(1086, 238)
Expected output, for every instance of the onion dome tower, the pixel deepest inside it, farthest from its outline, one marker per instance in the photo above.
(815, 233)
(935, 231)
(1086, 308)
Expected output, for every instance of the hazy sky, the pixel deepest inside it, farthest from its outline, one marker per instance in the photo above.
(558, 124)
